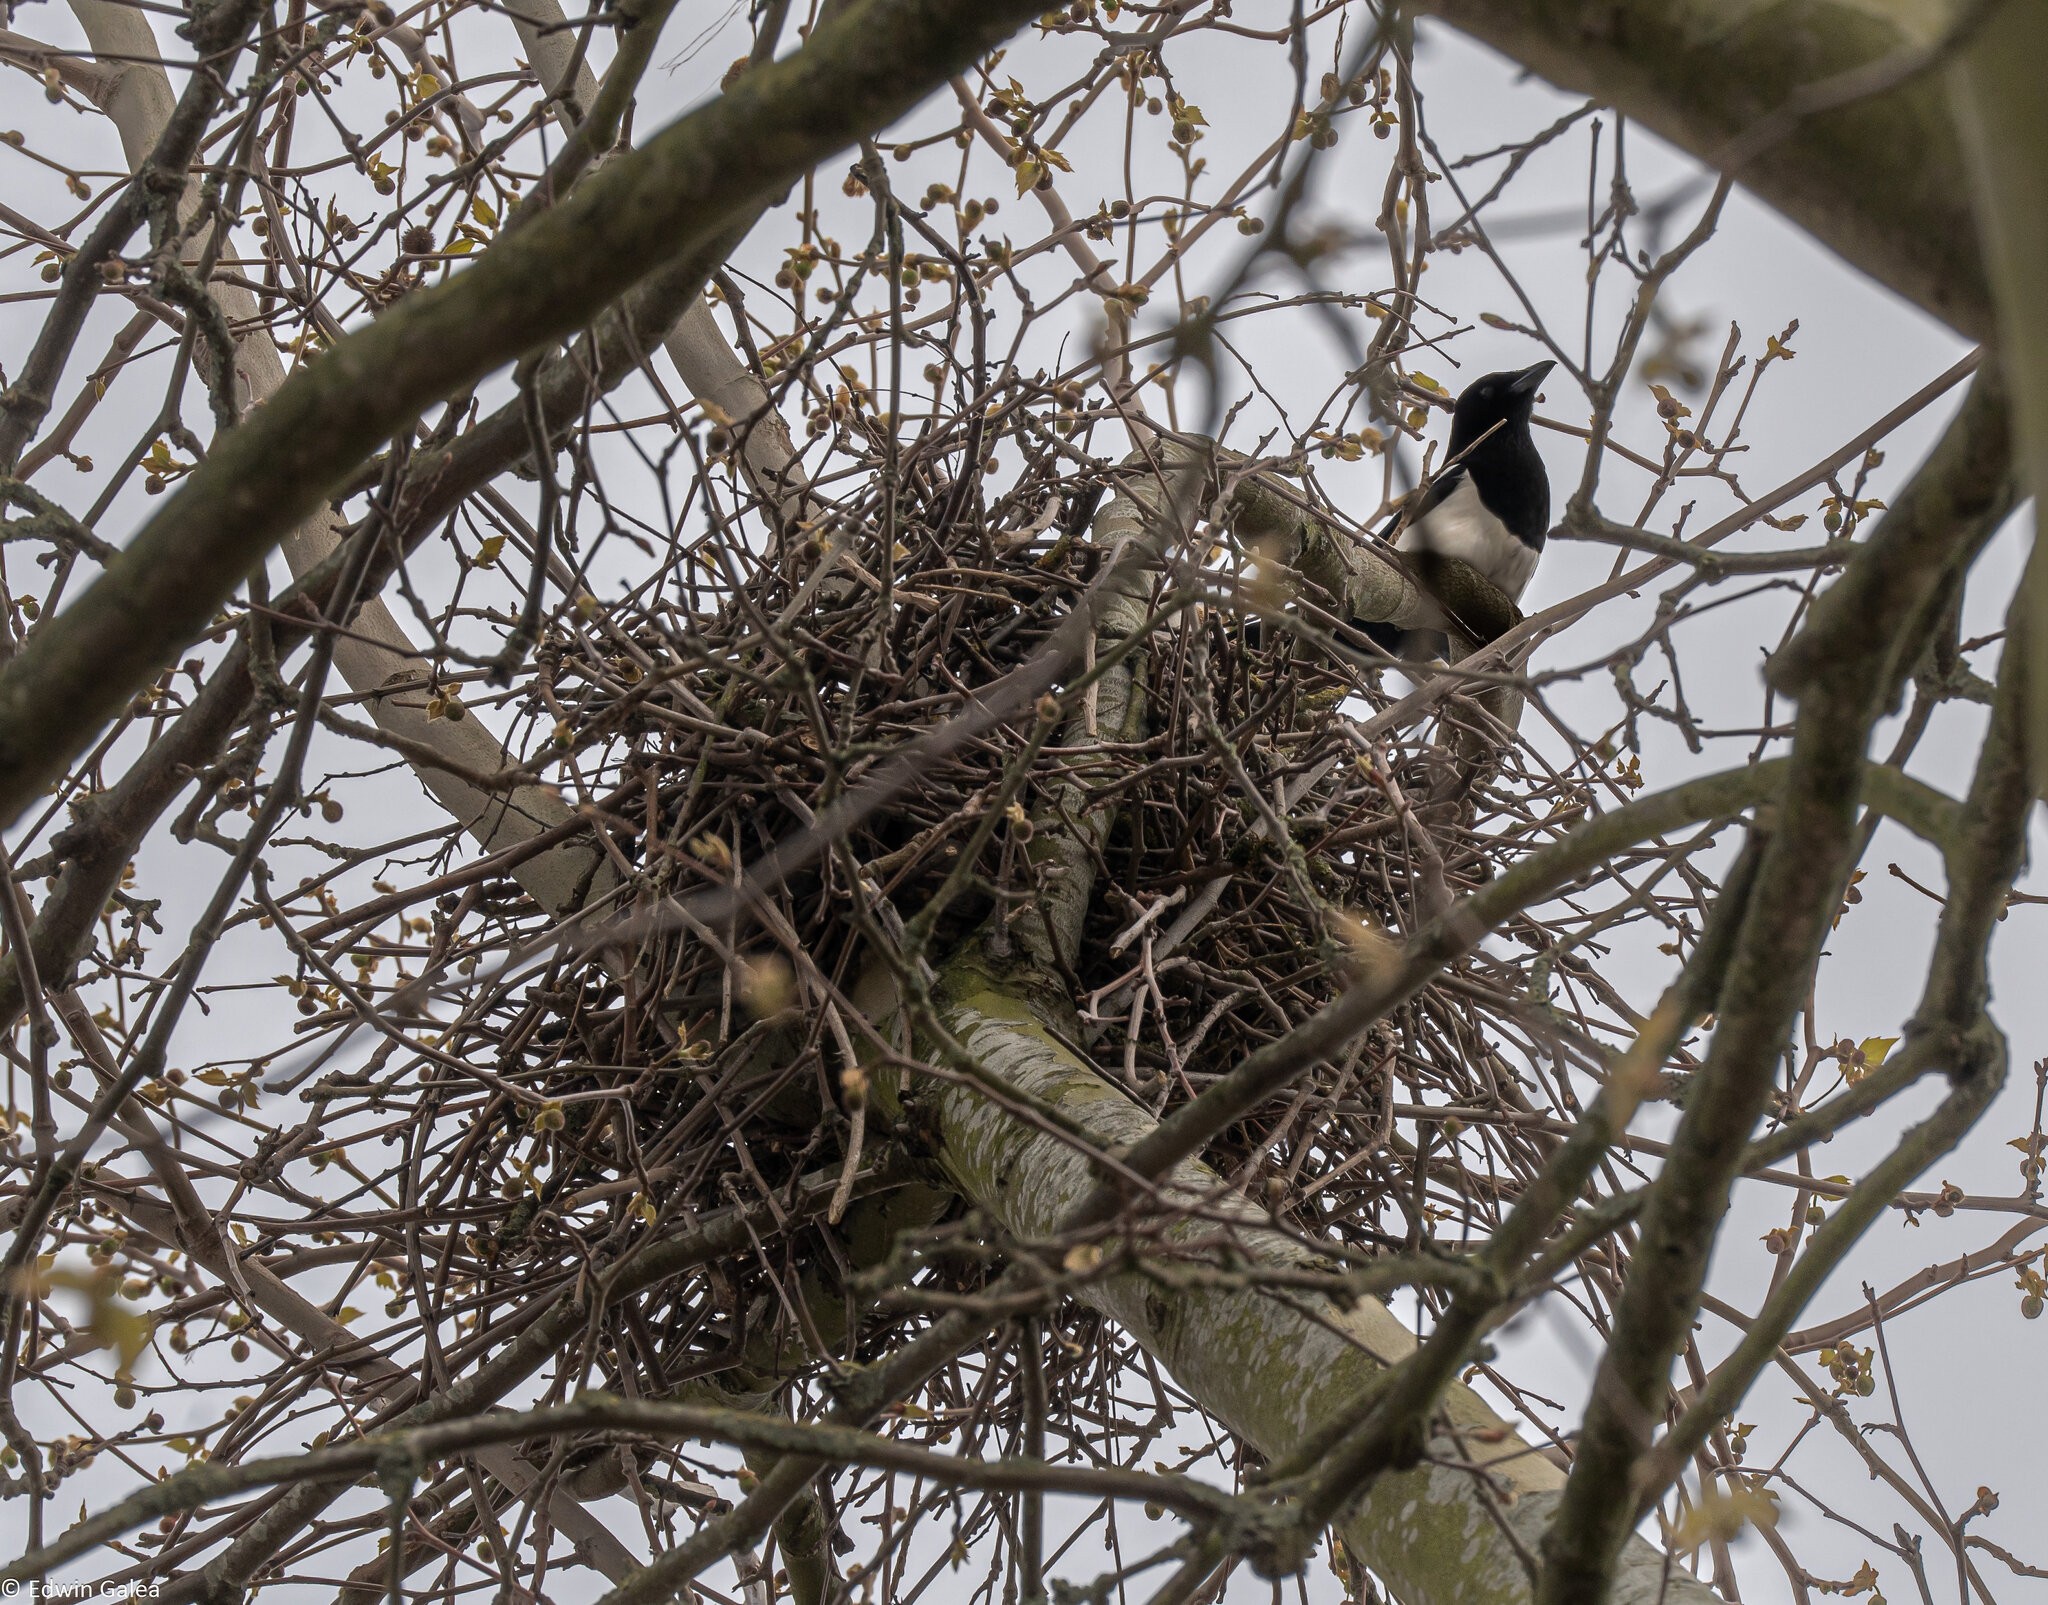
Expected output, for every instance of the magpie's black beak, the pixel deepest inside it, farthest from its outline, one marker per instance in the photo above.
(1525, 382)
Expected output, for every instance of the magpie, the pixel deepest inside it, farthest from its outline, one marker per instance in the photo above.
(1491, 506)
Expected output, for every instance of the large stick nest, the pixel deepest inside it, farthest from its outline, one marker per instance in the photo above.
(699, 1065)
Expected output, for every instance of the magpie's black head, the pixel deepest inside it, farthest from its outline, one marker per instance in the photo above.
(1506, 399)
(1504, 465)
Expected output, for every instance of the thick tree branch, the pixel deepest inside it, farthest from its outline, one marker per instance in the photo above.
(1950, 1025)
(1845, 667)
(687, 184)
(1881, 180)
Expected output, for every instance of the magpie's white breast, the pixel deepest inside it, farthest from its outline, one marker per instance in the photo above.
(1461, 526)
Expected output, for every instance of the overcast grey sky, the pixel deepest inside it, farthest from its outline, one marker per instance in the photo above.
(1964, 1366)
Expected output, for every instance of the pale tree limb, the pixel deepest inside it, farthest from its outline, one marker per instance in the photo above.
(98, 81)
(160, 164)
(1273, 1367)
(1273, 1372)
(727, 389)
(109, 825)
(376, 656)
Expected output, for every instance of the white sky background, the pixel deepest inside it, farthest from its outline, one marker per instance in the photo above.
(1964, 1366)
